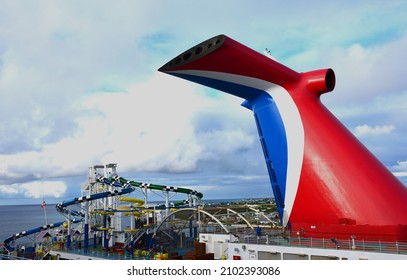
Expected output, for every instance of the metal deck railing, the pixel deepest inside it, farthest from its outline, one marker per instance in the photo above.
(323, 243)
(275, 237)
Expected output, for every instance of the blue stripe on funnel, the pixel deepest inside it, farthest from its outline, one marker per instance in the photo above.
(270, 128)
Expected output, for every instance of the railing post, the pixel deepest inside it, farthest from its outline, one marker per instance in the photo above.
(299, 238)
(353, 242)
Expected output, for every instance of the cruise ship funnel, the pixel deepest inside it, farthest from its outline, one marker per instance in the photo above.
(324, 181)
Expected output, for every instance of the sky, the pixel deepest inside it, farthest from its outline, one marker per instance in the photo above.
(79, 86)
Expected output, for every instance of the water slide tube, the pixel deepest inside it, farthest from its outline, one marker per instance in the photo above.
(124, 182)
(12, 238)
(324, 181)
(137, 202)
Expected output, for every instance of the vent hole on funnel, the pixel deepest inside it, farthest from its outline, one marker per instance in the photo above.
(330, 79)
(198, 50)
(177, 60)
(187, 56)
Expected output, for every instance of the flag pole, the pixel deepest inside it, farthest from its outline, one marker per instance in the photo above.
(43, 205)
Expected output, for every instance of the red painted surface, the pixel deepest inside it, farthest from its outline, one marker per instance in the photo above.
(344, 190)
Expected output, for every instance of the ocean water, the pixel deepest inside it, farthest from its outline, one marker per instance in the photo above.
(18, 218)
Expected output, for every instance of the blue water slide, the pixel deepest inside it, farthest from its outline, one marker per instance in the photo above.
(21, 234)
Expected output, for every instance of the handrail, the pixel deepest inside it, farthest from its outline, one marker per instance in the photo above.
(278, 239)
(328, 243)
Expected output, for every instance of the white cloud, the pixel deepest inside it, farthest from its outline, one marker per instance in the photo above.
(366, 130)
(366, 72)
(400, 167)
(39, 189)
(150, 127)
(8, 190)
(400, 174)
(400, 171)
(35, 189)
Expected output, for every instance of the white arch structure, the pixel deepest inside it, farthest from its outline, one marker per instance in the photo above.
(261, 213)
(243, 218)
(192, 209)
